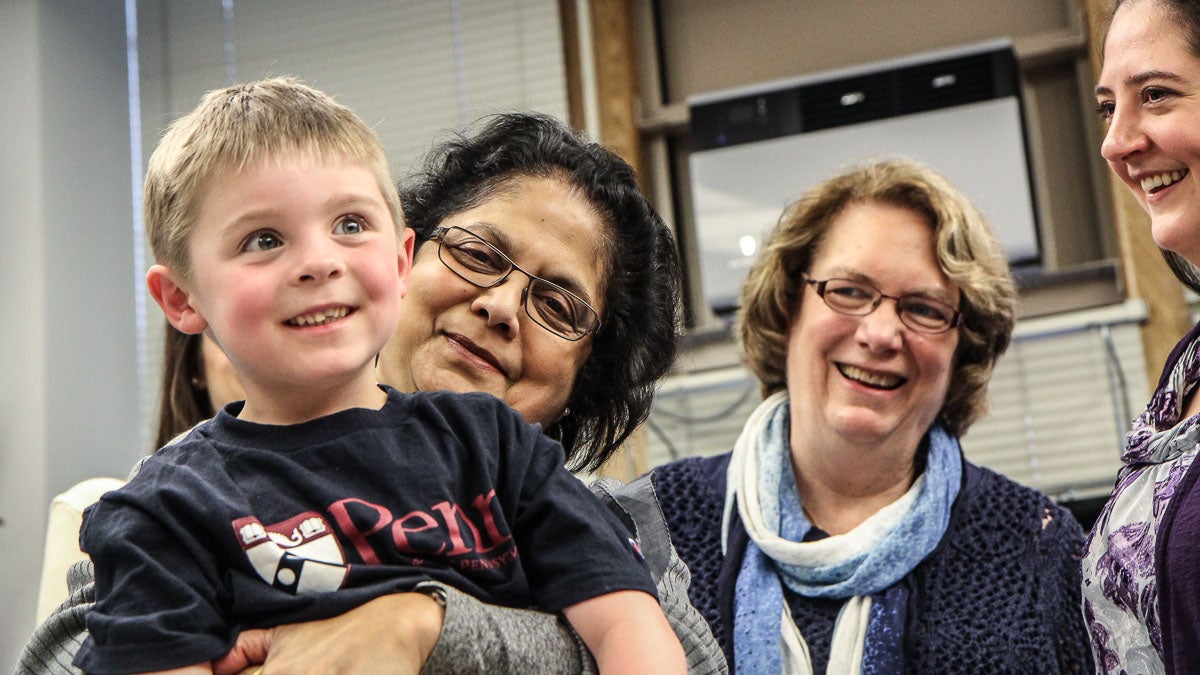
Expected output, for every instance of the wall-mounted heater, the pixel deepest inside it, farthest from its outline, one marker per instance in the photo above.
(755, 149)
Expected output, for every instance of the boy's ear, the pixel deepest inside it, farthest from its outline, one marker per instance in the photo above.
(404, 260)
(175, 300)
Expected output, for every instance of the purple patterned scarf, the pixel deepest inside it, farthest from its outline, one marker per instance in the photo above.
(1120, 590)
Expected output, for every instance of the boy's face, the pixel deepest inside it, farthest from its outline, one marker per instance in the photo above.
(297, 273)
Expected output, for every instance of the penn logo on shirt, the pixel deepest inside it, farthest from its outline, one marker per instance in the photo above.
(299, 555)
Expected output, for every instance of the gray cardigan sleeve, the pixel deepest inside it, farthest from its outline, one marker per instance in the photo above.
(476, 638)
(637, 504)
(481, 638)
(57, 640)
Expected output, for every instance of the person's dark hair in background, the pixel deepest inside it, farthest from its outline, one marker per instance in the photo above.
(181, 402)
(196, 380)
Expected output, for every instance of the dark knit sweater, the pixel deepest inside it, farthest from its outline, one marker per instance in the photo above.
(999, 594)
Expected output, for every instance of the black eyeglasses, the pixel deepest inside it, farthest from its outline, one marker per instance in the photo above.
(918, 312)
(550, 306)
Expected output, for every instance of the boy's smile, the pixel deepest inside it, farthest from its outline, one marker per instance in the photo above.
(297, 274)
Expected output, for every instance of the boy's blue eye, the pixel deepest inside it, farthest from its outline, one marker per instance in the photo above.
(349, 225)
(262, 241)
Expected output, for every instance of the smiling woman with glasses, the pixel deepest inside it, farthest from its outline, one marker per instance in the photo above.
(581, 345)
(846, 512)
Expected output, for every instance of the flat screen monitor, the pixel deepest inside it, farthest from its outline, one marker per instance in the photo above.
(754, 150)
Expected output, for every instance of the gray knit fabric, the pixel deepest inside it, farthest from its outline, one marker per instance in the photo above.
(54, 644)
(481, 638)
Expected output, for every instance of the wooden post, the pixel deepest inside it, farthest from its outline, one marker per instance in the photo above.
(572, 62)
(614, 54)
(1145, 272)
(616, 78)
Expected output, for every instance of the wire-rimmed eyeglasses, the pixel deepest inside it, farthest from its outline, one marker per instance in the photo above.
(480, 263)
(856, 298)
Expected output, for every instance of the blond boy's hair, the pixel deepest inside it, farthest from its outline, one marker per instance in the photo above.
(238, 126)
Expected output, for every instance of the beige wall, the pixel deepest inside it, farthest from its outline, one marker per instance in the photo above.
(717, 44)
(694, 46)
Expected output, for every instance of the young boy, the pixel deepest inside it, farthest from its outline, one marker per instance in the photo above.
(277, 231)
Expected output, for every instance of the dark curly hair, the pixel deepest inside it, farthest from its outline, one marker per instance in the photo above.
(639, 329)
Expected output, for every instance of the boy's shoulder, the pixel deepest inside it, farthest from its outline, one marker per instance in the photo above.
(190, 448)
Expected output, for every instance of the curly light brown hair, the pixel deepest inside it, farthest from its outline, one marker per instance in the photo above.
(966, 249)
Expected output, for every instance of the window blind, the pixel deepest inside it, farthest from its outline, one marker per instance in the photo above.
(410, 68)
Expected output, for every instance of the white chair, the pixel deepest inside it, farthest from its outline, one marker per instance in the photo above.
(62, 539)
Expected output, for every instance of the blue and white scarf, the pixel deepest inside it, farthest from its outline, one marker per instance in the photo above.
(862, 565)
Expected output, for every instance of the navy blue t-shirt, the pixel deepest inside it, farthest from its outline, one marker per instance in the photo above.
(244, 525)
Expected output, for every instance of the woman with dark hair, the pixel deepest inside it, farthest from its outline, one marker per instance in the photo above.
(1141, 578)
(517, 159)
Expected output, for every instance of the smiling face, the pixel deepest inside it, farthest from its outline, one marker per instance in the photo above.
(459, 337)
(870, 380)
(1149, 95)
(297, 274)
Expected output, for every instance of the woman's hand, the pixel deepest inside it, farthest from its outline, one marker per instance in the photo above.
(390, 634)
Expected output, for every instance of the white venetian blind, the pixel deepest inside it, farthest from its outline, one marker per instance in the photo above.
(1062, 398)
(410, 68)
